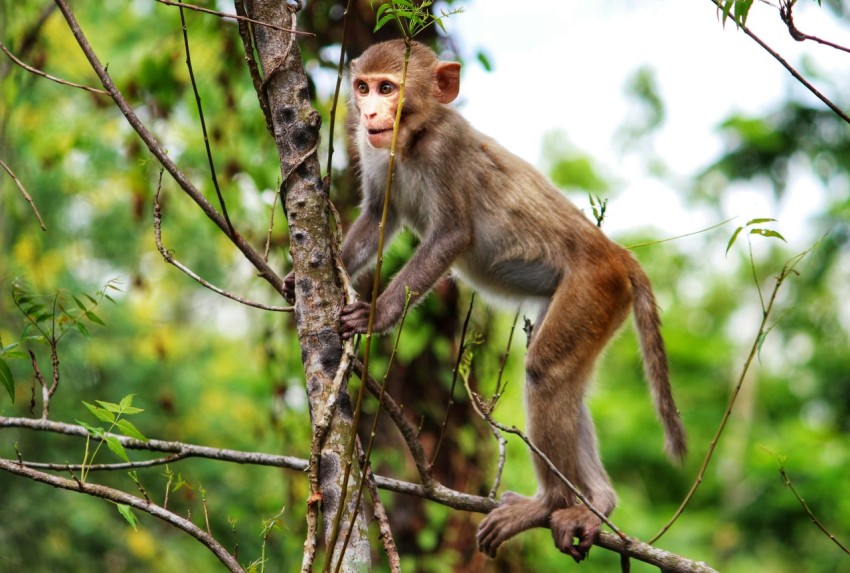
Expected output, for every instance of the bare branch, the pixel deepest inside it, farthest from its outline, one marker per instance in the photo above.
(203, 120)
(161, 155)
(235, 17)
(117, 496)
(49, 77)
(787, 481)
(763, 329)
(789, 67)
(385, 531)
(169, 258)
(436, 492)
(20, 185)
(786, 8)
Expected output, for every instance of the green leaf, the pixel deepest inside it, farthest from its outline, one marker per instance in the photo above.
(7, 379)
(127, 512)
(732, 238)
(767, 233)
(96, 432)
(115, 445)
(79, 303)
(83, 330)
(759, 221)
(742, 10)
(484, 61)
(383, 21)
(100, 413)
(128, 429)
(127, 401)
(726, 9)
(6, 349)
(112, 407)
(94, 318)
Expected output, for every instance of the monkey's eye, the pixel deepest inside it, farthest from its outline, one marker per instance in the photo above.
(386, 88)
(362, 87)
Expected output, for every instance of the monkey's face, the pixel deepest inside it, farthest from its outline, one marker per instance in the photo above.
(376, 99)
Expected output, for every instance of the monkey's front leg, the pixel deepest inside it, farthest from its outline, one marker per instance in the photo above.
(430, 262)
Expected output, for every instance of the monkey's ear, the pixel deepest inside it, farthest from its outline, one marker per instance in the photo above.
(448, 81)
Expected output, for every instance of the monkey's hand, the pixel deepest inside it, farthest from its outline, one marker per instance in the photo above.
(289, 288)
(575, 522)
(354, 319)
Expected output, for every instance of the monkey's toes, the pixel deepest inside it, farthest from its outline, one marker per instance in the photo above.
(489, 536)
(576, 522)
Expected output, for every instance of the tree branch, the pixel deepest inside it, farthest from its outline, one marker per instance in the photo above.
(117, 496)
(628, 546)
(161, 155)
(789, 67)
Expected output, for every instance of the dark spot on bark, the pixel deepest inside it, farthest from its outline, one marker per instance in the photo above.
(317, 260)
(329, 467)
(304, 93)
(305, 285)
(344, 409)
(331, 351)
(302, 137)
(287, 115)
(299, 236)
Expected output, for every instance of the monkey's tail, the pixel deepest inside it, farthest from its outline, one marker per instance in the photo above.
(648, 326)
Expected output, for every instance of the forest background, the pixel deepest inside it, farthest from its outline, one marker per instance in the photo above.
(207, 370)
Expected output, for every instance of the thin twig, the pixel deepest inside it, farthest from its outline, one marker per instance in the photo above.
(235, 17)
(650, 243)
(785, 13)
(434, 491)
(21, 188)
(455, 372)
(169, 258)
(789, 67)
(385, 532)
(480, 408)
(408, 431)
(124, 498)
(191, 71)
(787, 270)
(246, 33)
(500, 387)
(366, 457)
(339, 73)
(48, 76)
(255, 258)
(107, 467)
(811, 515)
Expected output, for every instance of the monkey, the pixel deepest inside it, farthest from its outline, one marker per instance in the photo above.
(499, 225)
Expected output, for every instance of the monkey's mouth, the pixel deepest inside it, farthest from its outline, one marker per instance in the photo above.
(380, 138)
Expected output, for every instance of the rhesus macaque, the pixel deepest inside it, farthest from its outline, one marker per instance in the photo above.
(504, 229)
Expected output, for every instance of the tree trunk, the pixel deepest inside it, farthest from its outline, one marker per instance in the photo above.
(319, 297)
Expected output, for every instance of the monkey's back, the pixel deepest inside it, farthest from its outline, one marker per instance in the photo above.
(526, 233)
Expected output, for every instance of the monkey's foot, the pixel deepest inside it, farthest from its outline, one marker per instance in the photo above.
(516, 514)
(575, 522)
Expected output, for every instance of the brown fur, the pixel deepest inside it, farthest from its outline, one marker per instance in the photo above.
(507, 231)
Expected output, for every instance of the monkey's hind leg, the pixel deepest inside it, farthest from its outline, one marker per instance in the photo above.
(588, 307)
(577, 521)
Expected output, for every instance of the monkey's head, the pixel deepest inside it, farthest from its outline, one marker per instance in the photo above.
(376, 81)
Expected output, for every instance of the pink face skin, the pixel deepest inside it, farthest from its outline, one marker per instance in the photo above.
(377, 99)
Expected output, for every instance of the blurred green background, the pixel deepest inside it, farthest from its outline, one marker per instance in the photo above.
(211, 372)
